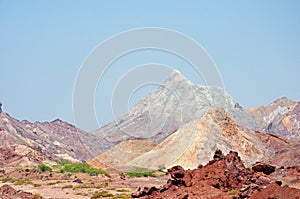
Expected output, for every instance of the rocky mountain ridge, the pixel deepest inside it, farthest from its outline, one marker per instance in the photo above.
(188, 122)
(24, 143)
(170, 106)
(281, 117)
(195, 142)
(178, 123)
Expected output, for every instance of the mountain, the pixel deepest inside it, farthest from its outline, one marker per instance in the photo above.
(25, 143)
(281, 117)
(170, 106)
(195, 142)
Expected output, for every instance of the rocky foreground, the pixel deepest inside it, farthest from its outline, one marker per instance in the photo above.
(226, 177)
(223, 177)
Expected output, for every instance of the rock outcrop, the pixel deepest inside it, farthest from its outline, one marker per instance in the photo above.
(223, 177)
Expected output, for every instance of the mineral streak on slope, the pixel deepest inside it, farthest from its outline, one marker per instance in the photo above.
(167, 108)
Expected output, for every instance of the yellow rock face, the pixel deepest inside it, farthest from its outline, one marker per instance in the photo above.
(287, 121)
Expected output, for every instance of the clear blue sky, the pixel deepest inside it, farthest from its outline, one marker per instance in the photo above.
(255, 44)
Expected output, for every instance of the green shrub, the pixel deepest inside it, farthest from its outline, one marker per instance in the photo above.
(67, 187)
(37, 185)
(101, 194)
(140, 172)
(37, 195)
(122, 190)
(29, 182)
(43, 168)
(81, 187)
(54, 183)
(81, 167)
(233, 192)
(4, 180)
(19, 182)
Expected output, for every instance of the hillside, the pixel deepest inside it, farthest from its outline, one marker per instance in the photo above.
(25, 143)
(281, 117)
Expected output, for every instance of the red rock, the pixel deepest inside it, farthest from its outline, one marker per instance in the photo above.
(220, 178)
(262, 167)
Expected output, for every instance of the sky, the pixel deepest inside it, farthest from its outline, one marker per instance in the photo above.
(254, 44)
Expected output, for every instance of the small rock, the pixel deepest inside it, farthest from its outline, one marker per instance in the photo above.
(278, 182)
(218, 155)
(245, 188)
(65, 176)
(122, 176)
(264, 180)
(263, 167)
(77, 180)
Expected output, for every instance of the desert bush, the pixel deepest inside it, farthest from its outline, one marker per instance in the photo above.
(122, 190)
(141, 172)
(67, 187)
(4, 180)
(19, 182)
(54, 183)
(82, 167)
(101, 194)
(37, 185)
(81, 187)
(37, 195)
(43, 168)
(233, 192)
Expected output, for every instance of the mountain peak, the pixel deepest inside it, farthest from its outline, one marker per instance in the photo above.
(283, 100)
(175, 77)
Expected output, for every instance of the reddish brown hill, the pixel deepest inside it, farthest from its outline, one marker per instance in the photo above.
(223, 177)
